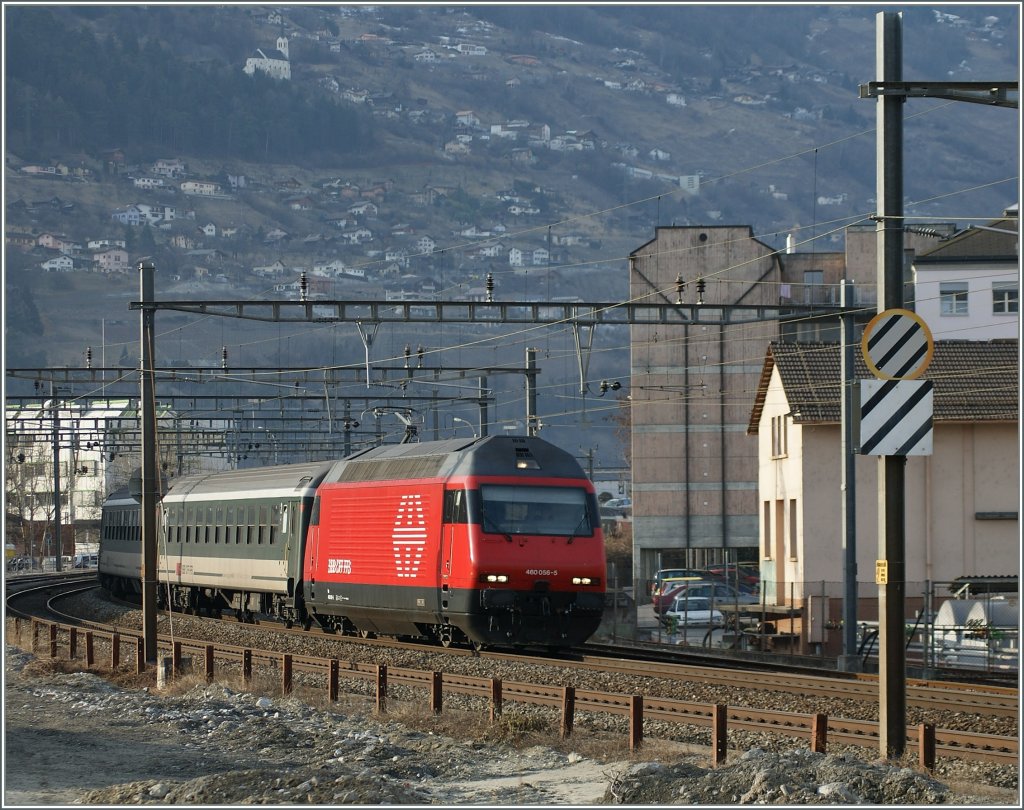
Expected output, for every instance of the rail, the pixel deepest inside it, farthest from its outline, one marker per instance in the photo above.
(817, 728)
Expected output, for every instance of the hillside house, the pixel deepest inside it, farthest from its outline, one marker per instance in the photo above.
(111, 260)
(149, 183)
(156, 214)
(274, 63)
(209, 229)
(275, 268)
(328, 269)
(397, 255)
(19, 239)
(425, 244)
(99, 244)
(540, 257)
(466, 118)
(58, 264)
(357, 236)
(182, 241)
(515, 257)
(52, 241)
(492, 251)
(200, 188)
(128, 216)
(168, 167)
(363, 209)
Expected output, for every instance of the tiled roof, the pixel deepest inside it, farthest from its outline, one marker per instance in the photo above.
(975, 381)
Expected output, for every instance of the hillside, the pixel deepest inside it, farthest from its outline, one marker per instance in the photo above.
(565, 132)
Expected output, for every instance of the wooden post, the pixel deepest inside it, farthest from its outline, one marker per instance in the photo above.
(53, 640)
(436, 693)
(636, 721)
(286, 674)
(819, 733)
(332, 680)
(247, 666)
(35, 630)
(90, 649)
(568, 710)
(719, 719)
(382, 688)
(495, 699)
(115, 651)
(209, 663)
(73, 643)
(926, 746)
(176, 657)
(140, 655)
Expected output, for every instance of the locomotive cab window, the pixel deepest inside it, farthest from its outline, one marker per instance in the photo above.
(455, 506)
(560, 511)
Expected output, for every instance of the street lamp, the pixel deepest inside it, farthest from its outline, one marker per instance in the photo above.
(466, 422)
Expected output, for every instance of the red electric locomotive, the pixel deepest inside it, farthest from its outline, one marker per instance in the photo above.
(494, 541)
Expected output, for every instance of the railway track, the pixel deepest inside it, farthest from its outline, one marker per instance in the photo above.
(938, 696)
(40, 600)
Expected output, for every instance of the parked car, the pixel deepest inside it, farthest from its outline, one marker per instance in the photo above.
(719, 592)
(693, 611)
(658, 584)
(746, 575)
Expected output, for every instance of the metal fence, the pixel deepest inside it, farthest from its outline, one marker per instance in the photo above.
(949, 625)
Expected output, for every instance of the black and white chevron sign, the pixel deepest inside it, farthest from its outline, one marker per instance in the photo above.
(896, 417)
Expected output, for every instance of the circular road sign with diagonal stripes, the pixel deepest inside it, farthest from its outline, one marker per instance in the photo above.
(897, 345)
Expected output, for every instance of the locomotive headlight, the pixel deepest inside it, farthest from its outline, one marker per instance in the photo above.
(496, 578)
(581, 581)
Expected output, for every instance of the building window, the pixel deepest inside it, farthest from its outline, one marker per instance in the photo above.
(792, 529)
(1004, 298)
(780, 438)
(766, 522)
(953, 298)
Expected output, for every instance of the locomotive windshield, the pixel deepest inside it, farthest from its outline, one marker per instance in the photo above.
(535, 510)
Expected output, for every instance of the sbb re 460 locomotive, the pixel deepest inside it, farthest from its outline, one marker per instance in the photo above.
(493, 542)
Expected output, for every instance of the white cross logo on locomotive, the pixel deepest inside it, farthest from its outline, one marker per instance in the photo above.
(410, 536)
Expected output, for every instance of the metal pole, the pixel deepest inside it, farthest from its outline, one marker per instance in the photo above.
(892, 674)
(147, 438)
(56, 477)
(484, 417)
(532, 428)
(850, 661)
